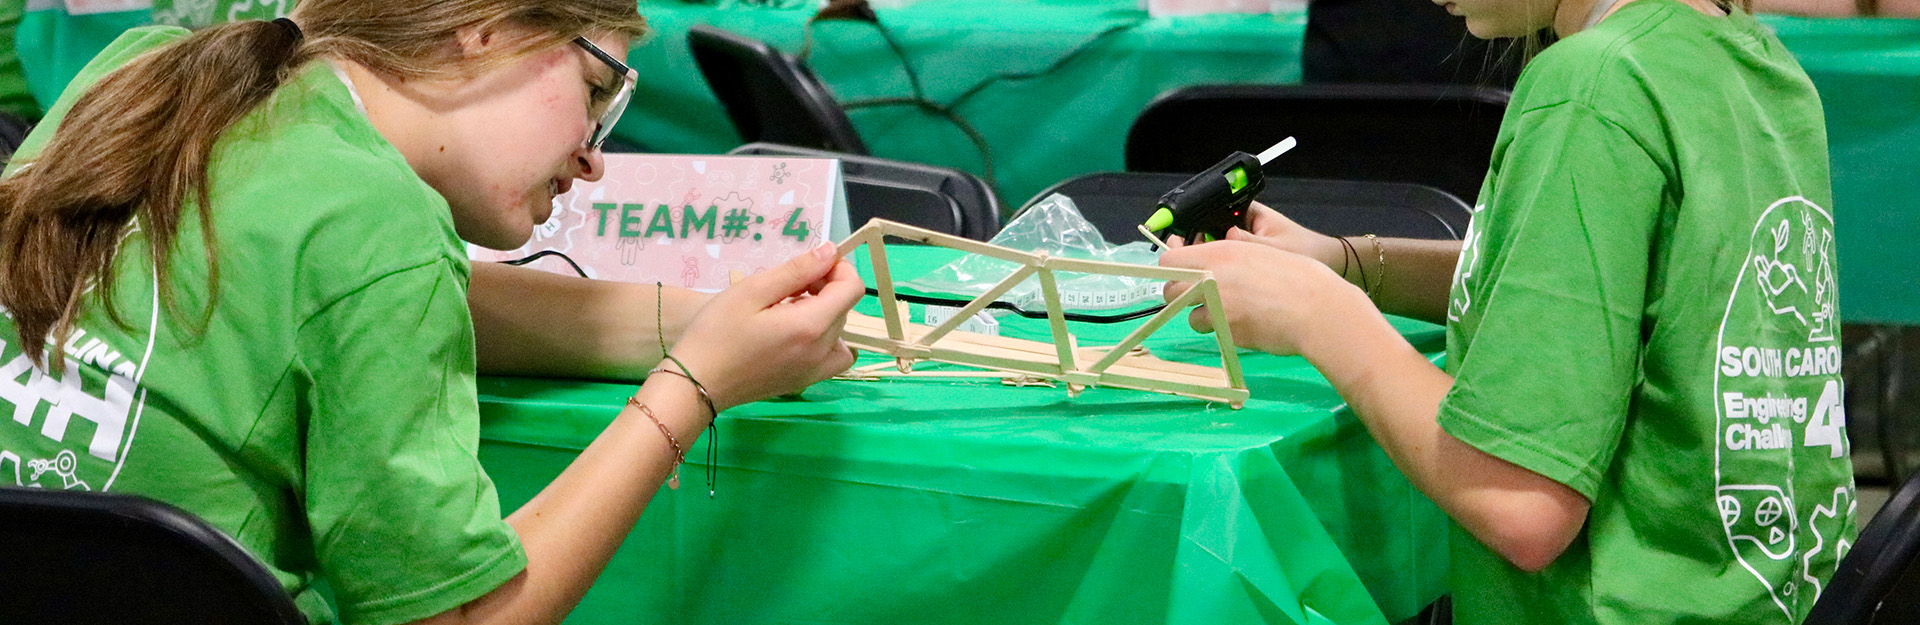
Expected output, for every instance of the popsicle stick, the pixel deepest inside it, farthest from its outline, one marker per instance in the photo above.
(896, 336)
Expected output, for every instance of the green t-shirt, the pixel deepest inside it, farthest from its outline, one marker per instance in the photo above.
(325, 413)
(1644, 310)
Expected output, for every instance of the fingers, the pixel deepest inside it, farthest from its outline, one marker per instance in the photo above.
(1189, 257)
(1173, 290)
(840, 360)
(1262, 218)
(1236, 234)
(1201, 320)
(792, 277)
(814, 289)
(839, 290)
(835, 360)
(842, 288)
(1175, 241)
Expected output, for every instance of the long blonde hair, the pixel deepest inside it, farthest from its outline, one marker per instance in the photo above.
(137, 146)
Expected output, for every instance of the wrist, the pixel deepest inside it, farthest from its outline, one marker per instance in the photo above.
(675, 404)
(672, 369)
(1349, 263)
(679, 307)
(1363, 354)
(1344, 324)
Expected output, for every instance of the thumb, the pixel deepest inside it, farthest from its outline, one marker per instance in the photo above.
(767, 287)
(1186, 258)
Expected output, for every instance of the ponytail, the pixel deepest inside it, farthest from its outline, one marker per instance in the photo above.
(134, 149)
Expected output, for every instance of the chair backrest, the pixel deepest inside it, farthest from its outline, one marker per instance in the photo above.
(1437, 135)
(84, 557)
(13, 132)
(1116, 202)
(1878, 580)
(769, 95)
(936, 198)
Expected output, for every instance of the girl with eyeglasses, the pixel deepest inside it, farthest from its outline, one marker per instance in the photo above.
(1639, 419)
(234, 274)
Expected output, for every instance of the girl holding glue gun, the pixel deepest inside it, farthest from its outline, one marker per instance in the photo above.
(1639, 418)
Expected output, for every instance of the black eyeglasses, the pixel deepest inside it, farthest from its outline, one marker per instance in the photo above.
(616, 107)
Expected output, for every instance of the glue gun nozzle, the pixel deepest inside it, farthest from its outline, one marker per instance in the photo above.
(1160, 219)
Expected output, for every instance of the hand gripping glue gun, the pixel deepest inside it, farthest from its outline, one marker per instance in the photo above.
(1206, 205)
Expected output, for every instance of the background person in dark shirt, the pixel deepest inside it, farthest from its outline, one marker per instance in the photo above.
(1400, 41)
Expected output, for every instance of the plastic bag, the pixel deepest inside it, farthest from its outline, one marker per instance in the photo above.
(1053, 226)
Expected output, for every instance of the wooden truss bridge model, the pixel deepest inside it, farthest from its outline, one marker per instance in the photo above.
(1121, 366)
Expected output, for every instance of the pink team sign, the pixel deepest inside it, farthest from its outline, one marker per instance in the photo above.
(1166, 8)
(92, 7)
(689, 220)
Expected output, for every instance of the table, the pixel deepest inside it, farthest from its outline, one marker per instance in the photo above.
(969, 502)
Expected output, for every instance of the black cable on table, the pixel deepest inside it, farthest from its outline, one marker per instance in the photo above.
(543, 254)
(1030, 314)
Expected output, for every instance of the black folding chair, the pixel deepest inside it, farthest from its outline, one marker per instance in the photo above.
(13, 132)
(84, 557)
(1116, 202)
(1437, 135)
(936, 198)
(769, 95)
(1877, 581)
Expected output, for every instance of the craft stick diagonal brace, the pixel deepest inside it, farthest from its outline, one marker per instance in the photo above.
(1061, 361)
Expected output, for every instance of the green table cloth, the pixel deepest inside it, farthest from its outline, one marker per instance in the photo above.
(965, 501)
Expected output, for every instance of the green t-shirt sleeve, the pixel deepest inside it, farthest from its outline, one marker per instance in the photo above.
(405, 522)
(1552, 344)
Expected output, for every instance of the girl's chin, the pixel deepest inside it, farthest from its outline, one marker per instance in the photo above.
(542, 212)
(1482, 30)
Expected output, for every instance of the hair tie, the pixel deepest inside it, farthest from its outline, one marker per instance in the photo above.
(293, 30)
